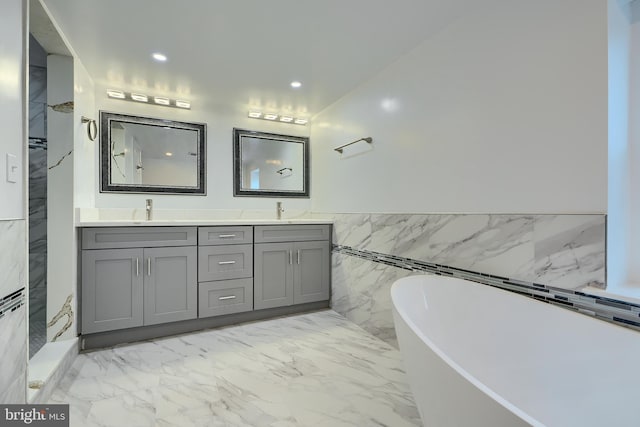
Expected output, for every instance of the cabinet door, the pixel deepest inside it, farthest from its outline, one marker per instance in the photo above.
(171, 287)
(112, 289)
(311, 272)
(273, 275)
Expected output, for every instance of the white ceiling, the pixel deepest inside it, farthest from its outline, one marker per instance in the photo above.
(232, 55)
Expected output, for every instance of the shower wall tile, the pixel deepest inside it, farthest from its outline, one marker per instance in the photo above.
(565, 251)
(37, 102)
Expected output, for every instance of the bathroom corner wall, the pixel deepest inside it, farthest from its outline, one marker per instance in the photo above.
(492, 136)
(13, 233)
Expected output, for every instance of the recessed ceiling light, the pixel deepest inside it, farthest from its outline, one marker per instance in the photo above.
(183, 104)
(168, 154)
(301, 121)
(255, 114)
(112, 93)
(159, 57)
(139, 97)
(286, 119)
(296, 84)
(270, 116)
(160, 100)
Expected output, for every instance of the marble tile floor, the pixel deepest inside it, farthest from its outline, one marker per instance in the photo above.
(315, 369)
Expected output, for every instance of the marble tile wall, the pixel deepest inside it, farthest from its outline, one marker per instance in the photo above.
(37, 204)
(565, 251)
(37, 248)
(13, 328)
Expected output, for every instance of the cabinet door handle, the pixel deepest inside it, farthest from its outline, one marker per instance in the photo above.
(137, 266)
(226, 262)
(290, 257)
(226, 236)
(298, 256)
(149, 266)
(229, 297)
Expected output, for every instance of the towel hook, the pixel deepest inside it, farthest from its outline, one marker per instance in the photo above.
(92, 128)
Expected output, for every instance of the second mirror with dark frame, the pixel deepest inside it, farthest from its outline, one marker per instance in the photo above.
(147, 155)
(270, 165)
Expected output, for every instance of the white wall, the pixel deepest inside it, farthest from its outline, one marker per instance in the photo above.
(12, 112)
(85, 150)
(503, 111)
(219, 159)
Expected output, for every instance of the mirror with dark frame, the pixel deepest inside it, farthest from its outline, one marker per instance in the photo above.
(270, 165)
(147, 155)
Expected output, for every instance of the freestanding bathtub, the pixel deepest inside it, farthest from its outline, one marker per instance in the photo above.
(480, 356)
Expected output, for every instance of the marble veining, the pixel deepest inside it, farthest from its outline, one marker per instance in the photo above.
(560, 250)
(59, 162)
(564, 251)
(316, 369)
(65, 311)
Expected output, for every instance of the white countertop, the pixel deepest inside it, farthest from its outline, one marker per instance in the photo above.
(196, 222)
(109, 217)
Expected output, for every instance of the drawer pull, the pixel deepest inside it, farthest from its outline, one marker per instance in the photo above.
(226, 236)
(228, 297)
(226, 262)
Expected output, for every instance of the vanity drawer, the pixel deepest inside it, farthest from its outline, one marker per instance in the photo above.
(291, 233)
(225, 235)
(137, 237)
(225, 297)
(225, 262)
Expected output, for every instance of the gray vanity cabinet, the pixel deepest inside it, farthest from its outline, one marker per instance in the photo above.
(124, 287)
(225, 270)
(293, 271)
(171, 289)
(112, 286)
(273, 276)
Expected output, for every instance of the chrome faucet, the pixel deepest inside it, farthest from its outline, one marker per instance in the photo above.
(149, 209)
(279, 210)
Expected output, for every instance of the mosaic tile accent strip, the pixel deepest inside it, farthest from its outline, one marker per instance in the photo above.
(622, 313)
(11, 302)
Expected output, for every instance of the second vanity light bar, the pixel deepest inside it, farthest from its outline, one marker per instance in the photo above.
(140, 97)
(277, 118)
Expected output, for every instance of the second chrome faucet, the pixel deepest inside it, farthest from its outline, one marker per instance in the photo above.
(149, 209)
(279, 210)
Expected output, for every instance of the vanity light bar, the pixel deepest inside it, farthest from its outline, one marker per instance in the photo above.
(275, 117)
(141, 97)
(161, 101)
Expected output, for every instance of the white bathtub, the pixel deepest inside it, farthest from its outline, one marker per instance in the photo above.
(480, 356)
